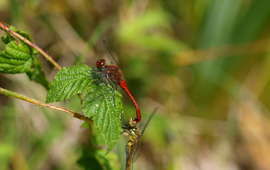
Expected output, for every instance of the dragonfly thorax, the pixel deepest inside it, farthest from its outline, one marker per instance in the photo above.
(134, 135)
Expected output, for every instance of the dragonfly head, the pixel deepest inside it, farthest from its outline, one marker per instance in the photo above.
(100, 64)
(132, 122)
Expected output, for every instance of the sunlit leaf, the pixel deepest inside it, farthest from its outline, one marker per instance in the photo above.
(69, 82)
(103, 104)
(16, 58)
(21, 58)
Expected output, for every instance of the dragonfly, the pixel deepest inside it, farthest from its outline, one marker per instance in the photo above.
(134, 139)
(114, 76)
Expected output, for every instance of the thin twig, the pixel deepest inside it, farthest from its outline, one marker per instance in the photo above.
(17, 36)
(30, 100)
(12, 33)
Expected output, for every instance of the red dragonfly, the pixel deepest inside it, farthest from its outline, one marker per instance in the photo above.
(113, 73)
(134, 137)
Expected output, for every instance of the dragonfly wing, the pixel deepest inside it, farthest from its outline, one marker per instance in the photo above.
(149, 120)
(129, 154)
(137, 151)
(109, 53)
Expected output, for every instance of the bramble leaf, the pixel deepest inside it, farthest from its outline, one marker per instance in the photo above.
(104, 104)
(69, 82)
(21, 58)
(16, 58)
(37, 74)
(7, 38)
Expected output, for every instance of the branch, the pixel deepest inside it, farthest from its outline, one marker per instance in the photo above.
(28, 99)
(14, 34)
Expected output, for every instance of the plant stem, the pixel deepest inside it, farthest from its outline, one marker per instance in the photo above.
(12, 33)
(28, 99)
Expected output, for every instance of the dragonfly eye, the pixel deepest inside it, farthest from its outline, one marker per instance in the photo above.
(100, 63)
(132, 122)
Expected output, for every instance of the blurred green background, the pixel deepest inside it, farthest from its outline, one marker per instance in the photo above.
(204, 63)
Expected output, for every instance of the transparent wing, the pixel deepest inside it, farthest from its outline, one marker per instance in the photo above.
(137, 151)
(149, 120)
(109, 53)
(137, 148)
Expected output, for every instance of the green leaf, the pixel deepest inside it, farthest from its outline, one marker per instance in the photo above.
(68, 82)
(37, 74)
(104, 104)
(21, 58)
(97, 138)
(16, 58)
(7, 38)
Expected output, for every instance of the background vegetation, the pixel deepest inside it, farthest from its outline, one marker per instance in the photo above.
(205, 63)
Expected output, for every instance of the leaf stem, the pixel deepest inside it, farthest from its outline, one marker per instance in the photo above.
(36, 102)
(13, 33)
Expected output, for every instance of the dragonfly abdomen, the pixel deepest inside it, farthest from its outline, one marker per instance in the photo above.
(132, 145)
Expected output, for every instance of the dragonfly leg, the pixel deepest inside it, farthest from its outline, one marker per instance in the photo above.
(121, 117)
(112, 83)
(101, 78)
(98, 75)
(115, 84)
(92, 72)
(123, 131)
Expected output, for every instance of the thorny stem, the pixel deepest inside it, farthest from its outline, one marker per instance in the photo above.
(17, 36)
(14, 34)
(30, 100)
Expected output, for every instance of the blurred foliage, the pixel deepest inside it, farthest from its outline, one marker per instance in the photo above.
(93, 156)
(203, 62)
